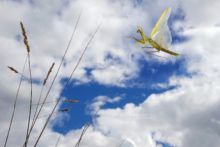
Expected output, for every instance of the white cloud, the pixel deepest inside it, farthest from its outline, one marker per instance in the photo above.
(186, 115)
(100, 101)
(49, 27)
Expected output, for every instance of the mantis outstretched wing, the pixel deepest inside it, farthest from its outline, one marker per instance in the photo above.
(161, 33)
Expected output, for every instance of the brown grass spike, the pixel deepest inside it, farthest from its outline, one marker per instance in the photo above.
(48, 73)
(13, 69)
(25, 37)
(71, 101)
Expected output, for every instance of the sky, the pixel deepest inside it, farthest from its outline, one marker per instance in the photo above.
(130, 98)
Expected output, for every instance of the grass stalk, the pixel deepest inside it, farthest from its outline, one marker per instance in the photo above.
(43, 85)
(58, 141)
(31, 94)
(30, 75)
(37, 105)
(86, 126)
(15, 103)
(64, 101)
(52, 83)
(66, 84)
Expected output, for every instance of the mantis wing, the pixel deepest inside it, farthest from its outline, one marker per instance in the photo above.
(161, 33)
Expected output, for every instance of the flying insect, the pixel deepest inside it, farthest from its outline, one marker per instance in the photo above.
(160, 38)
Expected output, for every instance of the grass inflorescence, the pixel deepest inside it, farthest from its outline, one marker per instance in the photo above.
(41, 102)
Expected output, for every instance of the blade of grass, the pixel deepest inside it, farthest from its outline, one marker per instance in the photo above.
(15, 103)
(67, 83)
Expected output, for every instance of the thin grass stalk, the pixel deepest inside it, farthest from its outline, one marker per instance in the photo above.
(15, 103)
(38, 103)
(42, 87)
(30, 75)
(61, 62)
(59, 111)
(49, 102)
(65, 101)
(58, 141)
(121, 143)
(67, 83)
(31, 95)
(82, 134)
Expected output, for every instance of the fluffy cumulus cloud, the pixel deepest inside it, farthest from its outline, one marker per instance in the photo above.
(100, 101)
(184, 116)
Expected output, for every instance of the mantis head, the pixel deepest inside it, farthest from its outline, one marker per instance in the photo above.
(139, 29)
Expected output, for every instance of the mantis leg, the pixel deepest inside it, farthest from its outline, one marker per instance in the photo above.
(147, 47)
(154, 49)
(141, 41)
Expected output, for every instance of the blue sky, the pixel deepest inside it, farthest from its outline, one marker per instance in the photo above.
(151, 72)
(136, 94)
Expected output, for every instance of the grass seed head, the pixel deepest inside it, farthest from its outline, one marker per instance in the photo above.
(13, 69)
(48, 73)
(25, 37)
(71, 101)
